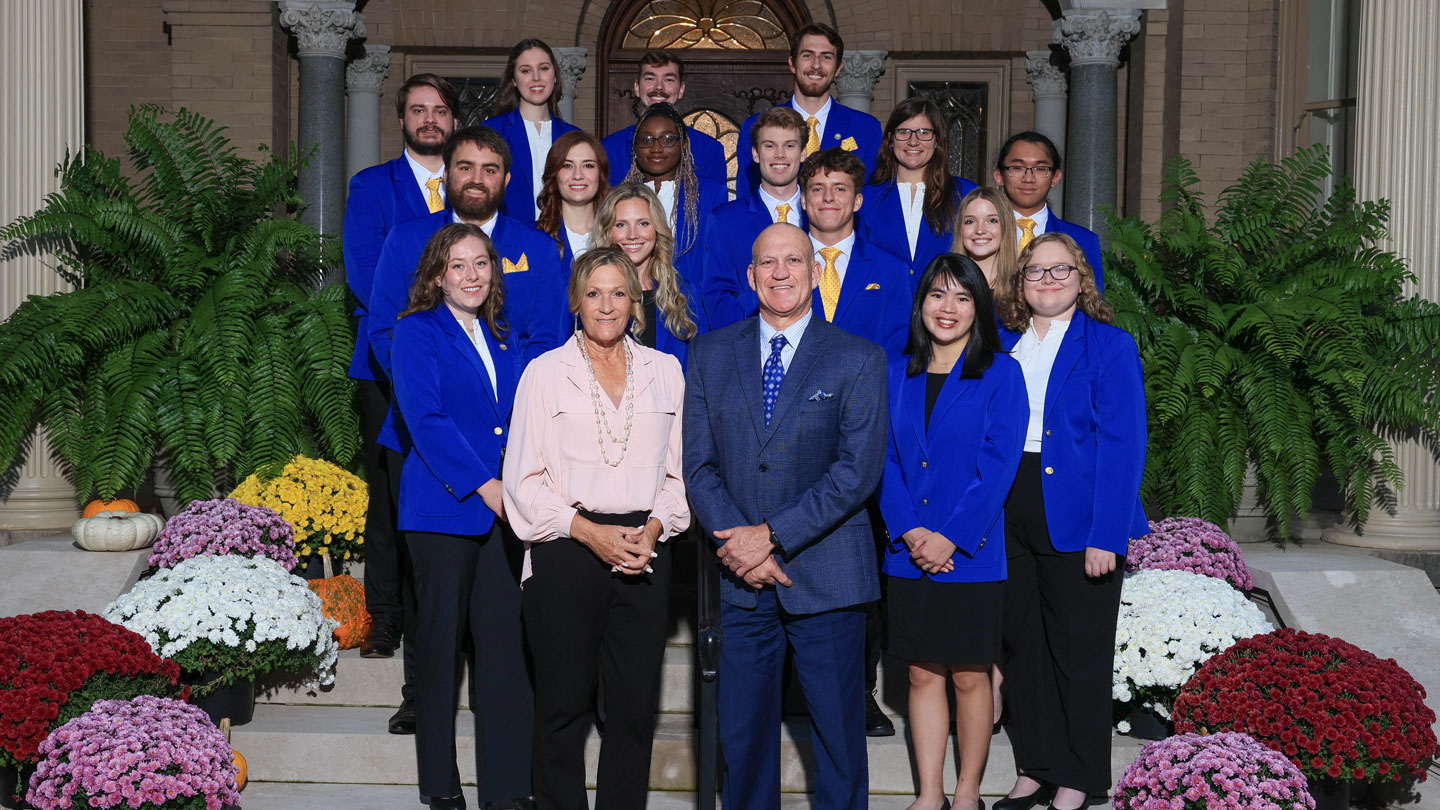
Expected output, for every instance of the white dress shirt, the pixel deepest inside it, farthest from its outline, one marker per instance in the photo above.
(912, 205)
(1042, 222)
(792, 334)
(423, 176)
(488, 226)
(822, 117)
(666, 193)
(1037, 357)
(842, 262)
(539, 150)
(771, 203)
(477, 336)
(579, 242)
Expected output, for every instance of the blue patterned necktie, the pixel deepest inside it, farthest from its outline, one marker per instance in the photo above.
(774, 375)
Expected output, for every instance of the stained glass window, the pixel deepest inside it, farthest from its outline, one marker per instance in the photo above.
(744, 25)
(721, 128)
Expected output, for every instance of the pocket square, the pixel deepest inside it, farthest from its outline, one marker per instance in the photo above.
(507, 266)
(820, 396)
(849, 145)
(872, 286)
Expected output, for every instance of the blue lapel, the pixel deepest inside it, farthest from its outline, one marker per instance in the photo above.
(747, 363)
(836, 125)
(466, 347)
(857, 278)
(912, 393)
(793, 386)
(407, 191)
(1072, 346)
(513, 130)
(950, 393)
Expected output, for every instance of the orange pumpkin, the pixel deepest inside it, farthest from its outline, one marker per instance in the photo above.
(97, 506)
(244, 773)
(343, 599)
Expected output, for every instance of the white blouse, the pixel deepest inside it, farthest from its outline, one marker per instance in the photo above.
(1037, 357)
(912, 204)
(539, 150)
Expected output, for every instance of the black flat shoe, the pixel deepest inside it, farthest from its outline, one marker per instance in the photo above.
(1044, 794)
(451, 803)
(403, 722)
(1090, 801)
(876, 723)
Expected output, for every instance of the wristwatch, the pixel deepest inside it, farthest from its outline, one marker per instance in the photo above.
(775, 541)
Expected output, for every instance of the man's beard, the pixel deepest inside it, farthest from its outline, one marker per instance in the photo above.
(812, 87)
(476, 211)
(418, 148)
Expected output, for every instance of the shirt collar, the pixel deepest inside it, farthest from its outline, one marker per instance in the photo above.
(846, 245)
(771, 202)
(421, 173)
(488, 226)
(792, 333)
(1041, 217)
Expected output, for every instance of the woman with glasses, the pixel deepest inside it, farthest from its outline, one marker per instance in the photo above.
(909, 205)
(1069, 519)
(662, 160)
(527, 115)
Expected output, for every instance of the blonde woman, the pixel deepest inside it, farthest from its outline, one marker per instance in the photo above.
(984, 221)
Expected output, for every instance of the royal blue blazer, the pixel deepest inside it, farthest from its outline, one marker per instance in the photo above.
(808, 473)
(954, 476)
(380, 197)
(667, 341)
(845, 128)
(1093, 445)
(708, 153)
(730, 235)
(1087, 240)
(882, 220)
(536, 302)
(690, 259)
(457, 422)
(520, 191)
(874, 298)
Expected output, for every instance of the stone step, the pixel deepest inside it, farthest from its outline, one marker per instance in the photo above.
(290, 796)
(350, 745)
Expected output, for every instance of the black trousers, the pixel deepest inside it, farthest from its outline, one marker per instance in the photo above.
(1059, 648)
(586, 625)
(469, 591)
(389, 578)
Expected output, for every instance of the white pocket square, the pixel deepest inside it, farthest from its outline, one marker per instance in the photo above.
(820, 396)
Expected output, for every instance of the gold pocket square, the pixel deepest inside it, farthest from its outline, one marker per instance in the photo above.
(872, 286)
(507, 266)
(849, 145)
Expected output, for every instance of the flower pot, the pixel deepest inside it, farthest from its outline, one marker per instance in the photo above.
(9, 782)
(236, 701)
(1146, 724)
(1330, 794)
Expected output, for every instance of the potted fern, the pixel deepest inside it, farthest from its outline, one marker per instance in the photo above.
(1277, 336)
(197, 331)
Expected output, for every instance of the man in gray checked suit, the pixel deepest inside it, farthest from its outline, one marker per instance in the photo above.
(785, 432)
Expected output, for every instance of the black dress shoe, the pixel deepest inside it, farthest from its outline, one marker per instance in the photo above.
(381, 642)
(876, 723)
(452, 803)
(403, 722)
(524, 803)
(1044, 794)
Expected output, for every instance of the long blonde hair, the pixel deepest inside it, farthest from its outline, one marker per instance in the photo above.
(670, 300)
(1007, 261)
(1015, 311)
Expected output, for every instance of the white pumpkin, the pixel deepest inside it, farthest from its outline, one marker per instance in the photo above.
(114, 530)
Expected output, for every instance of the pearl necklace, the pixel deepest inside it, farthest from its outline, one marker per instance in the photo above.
(602, 424)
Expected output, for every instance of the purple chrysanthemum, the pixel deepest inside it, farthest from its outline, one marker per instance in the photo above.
(224, 526)
(1190, 544)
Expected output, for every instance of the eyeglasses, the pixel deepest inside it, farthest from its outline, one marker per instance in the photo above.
(669, 140)
(1059, 272)
(924, 134)
(1017, 172)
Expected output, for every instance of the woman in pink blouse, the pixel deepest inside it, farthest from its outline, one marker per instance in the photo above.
(593, 485)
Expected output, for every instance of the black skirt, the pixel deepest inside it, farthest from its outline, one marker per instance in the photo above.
(951, 623)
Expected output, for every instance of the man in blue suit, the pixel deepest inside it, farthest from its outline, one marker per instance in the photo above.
(1029, 166)
(816, 55)
(776, 143)
(785, 432)
(477, 166)
(662, 78)
(380, 197)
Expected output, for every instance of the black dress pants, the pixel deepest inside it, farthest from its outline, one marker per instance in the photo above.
(469, 590)
(389, 577)
(586, 625)
(1059, 648)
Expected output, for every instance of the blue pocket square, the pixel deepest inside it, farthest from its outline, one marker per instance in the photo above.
(820, 396)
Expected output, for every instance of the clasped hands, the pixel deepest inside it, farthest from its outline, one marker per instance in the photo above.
(931, 552)
(748, 552)
(626, 549)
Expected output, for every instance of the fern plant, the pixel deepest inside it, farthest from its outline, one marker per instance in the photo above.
(197, 328)
(1280, 336)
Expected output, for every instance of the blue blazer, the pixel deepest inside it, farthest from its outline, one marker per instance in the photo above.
(520, 191)
(808, 474)
(457, 421)
(691, 261)
(882, 220)
(380, 196)
(666, 341)
(953, 477)
(708, 153)
(843, 124)
(1093, 447)
(1088, 242)
(535, 298)
(730, 235)
(874, 300)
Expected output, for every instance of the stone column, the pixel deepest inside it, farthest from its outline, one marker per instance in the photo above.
(855, 85)
(323, 29)
(42, 114)
(363, 79)
(571, 67)
(1048, 83)
(1397, 105)
(1093, 37)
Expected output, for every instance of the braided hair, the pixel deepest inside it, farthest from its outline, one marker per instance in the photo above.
(684, 174)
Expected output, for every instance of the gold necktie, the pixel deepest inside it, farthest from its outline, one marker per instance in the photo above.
(782, 212)
(434, 200)
(829, 282)
(1027, 230)
(812, 141)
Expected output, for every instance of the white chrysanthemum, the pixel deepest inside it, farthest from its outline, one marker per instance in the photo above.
(1170, 623)
(234, 601)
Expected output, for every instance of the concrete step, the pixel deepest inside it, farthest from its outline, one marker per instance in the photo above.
(350, 745)
(292, 796)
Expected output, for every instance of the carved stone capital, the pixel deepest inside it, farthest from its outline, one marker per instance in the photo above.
(859, 73)
(367, 74)
(322, 27)
(571, 67)
(1047, 80)
(1095, 37)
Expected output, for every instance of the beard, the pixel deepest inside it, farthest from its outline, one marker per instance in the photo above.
(418, 147)
(473, 210)
(813, 87)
